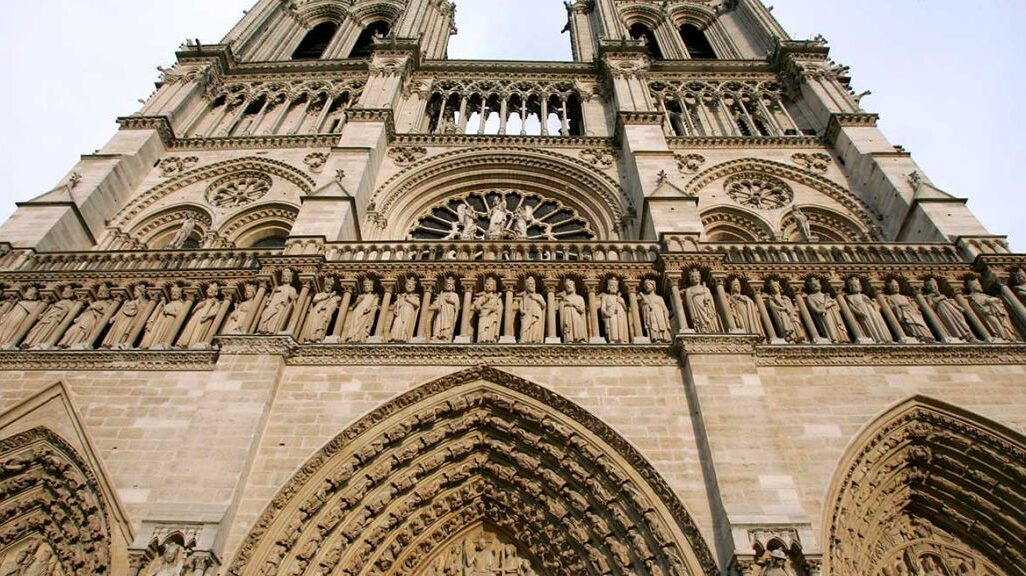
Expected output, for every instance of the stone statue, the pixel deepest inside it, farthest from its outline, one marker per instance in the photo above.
(498, 218)
(466, 218)
(488, 306)
(22, 312)
(613, 311)
(407, 309)
(9, 301)
(907, 312)
(699, 300)
(1019, 284)
(532, 313)
(162, 327)
(36, 560)
(128, 317)
(743, 310)
(655, 316)
(88, 320)
(238, 320)
(50, 320)
(171, 561)
(991, 311)
(784, 314)
(573, 314)
(524, 219)
(802, 222)
(825, 312)
(777, 564)
(361, 317)
(867, 313)
(182, 236)
(322, 309)
(199, 330)
(279, 306)
(447, 309)
(951, 315)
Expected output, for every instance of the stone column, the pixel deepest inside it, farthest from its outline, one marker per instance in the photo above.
(593, 313)
(1016, 306)
(384, 314)
(721, 305)
(551, 334)
(343, 312)
(853, 324)
(810, 325)
(258, 306)
(424, 324)
(892, 321)
(65, 324)
(767, 322)
(678, 305)
(467, 312)
(635, 311)
(935, 323)
(509, 334)
(300, 308)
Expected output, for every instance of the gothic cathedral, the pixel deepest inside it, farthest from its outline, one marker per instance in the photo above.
(332, 304)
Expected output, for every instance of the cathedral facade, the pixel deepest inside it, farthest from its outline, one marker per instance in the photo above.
(333, 304)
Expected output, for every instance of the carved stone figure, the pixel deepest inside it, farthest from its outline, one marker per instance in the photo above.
(199, 329)
(488, 306)
(613, 310)
(991, 310)
(1019, 284)
(163, 325)
(573, 314)
(825, 312)
(446, 308)
(699, 301)
(20, 315)
(322, 309)
(784, 313)
(9, 301)
(777, 564)
(279, 306)
(238, 320)
(361, 317)
(182, 235)
(743, 309)
(171, 561)
(51, 320)
(87, 322)
(466, 217)
(407, 309)
(907, 313)
(35, 560)
(951, 315)
(498, 219)
(802, 222)
(655, 316)
(867, 313)
(128, 317)
(532, 313)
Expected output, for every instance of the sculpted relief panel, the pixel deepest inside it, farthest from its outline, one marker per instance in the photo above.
(480, 552)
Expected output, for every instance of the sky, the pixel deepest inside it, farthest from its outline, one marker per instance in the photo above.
(946, 78)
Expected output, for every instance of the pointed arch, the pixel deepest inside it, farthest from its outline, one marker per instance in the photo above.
(480, 447)
(251, 226)
(929, 483)
(157, 229)
(315, 43)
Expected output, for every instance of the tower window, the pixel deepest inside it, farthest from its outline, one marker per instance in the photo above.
(641, 32)
(697, 44)
(316, 42)
(365, 42)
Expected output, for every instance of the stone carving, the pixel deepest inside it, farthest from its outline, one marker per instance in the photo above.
(690, 163)
(869, 322)
(759, 191)
(170, 561)
(407, 155)
(360, 320)
(700, 304)
(532, 307)
(743, 310)
(488, 306)
(479, 553)
(240, 189)
(163, 326)
(322, 309)
(316, 161)
(613, 311)
(826, 313)
(183, 234)
(35, 559)
(176, 165)
(239, 319)
(501, 215)
(446, 309)
(907, 312)
(130, 317)
(572, 313)
(598, 157)
(47, 328)
(990, 310)
(203, 325)
(1019, 284)
(784, 314)
(655, 316)
(407, 310)
(817, 162)
(948, 310)
(801, 222)
(87, 326)
(278, 309)
(20, 317)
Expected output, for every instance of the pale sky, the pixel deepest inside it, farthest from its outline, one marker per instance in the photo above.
(946, 78)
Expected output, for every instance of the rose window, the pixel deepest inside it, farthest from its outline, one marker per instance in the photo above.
(759, 191)
(239, 189)
(501, 215)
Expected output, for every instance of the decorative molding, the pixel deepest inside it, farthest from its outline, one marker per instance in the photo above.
(892, 355)
(129, 360)
(480, 354)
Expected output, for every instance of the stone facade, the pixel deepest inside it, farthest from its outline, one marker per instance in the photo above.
(332, 304)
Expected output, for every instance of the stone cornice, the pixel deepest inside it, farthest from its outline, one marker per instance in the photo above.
(892, 355)
(508, 66)
(692, 142)
(130, 360)
(256, 142)
(479, 354)
(545, 142)
(848, 120)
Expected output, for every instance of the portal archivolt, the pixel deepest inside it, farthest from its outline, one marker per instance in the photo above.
(931, 490)
(477, 471)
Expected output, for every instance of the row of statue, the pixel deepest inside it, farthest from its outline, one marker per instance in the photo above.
(155, 319)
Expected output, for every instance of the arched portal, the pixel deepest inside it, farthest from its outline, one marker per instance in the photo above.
(478, 467)
(930, 489)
